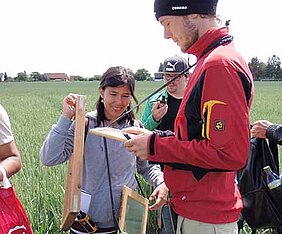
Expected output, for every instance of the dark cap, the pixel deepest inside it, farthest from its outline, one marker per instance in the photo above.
(175, 64)
(184, 7)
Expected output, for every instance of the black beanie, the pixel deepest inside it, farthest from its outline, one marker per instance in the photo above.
(184, 7)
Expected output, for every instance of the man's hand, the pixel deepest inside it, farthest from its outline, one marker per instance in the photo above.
(259, 128)
(159, 110)
(159, 195)
(138, 145)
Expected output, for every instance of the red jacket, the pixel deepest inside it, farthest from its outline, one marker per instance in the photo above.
(212, 135)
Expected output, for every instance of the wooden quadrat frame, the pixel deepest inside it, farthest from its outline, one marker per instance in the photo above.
(73, 179)
(133, 212)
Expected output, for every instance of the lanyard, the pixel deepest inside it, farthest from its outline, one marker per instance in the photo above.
(213, 45)
(110, 183)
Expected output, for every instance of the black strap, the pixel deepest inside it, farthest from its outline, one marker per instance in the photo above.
(212, 46)
(110, 183)
(217, 43)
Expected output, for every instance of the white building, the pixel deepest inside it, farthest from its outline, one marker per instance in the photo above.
(2, 77)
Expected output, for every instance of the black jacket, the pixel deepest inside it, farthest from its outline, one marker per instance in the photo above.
(274, 133)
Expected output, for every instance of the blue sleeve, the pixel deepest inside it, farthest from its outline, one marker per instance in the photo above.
(58, 146)
(150, 172)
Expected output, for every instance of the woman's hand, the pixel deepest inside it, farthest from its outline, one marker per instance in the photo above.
(69, 103)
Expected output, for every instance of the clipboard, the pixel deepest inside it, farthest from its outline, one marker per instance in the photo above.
(112, 133)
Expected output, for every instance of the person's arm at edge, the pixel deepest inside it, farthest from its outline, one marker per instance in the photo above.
(10, 158)
(274, 133)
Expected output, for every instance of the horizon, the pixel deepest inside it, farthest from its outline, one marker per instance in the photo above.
(87, 77)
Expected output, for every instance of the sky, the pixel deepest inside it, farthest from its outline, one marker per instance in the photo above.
(86, 37)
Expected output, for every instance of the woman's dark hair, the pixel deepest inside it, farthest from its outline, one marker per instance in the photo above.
(114, 77)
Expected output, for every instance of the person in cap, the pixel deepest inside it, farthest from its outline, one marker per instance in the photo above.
(161, 109)
(211, 132)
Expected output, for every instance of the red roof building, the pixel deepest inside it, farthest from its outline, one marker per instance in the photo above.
(56, 76)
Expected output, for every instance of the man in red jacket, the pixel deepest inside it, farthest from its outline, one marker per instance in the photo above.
(211, 132)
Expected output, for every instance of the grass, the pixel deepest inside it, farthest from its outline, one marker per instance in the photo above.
(34, 107)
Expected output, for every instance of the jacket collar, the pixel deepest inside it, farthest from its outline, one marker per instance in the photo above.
(204, 41)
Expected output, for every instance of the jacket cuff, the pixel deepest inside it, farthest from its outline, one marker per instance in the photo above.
(155, 121)
(154, 124)
(160, 182)
(151, 145)
(274, 133)
(152, 138)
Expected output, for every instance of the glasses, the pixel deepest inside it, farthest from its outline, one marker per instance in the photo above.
(169, 77)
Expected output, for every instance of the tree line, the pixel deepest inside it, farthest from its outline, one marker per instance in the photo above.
(261, 71)
(139, 75)
(266, 71)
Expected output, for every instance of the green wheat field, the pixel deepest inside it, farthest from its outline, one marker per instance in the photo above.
(34, 107)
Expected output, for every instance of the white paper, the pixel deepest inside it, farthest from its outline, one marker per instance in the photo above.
(85, 201)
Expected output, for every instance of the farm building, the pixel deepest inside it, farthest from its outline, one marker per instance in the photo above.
(56, 76)
(158, 76)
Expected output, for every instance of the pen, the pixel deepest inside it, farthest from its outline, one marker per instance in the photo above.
(126, 136)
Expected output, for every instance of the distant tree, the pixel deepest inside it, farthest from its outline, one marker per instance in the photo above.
(78, 78)
(5, 76)
(21, 76)
(95, 77)
(142, 74)
(257, 68)
(36, 76)
(273, 67)
(161, 67)
(150, 78)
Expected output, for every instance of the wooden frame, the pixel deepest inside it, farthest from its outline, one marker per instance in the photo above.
(73, 179)
(133, 212)
(111, 133)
